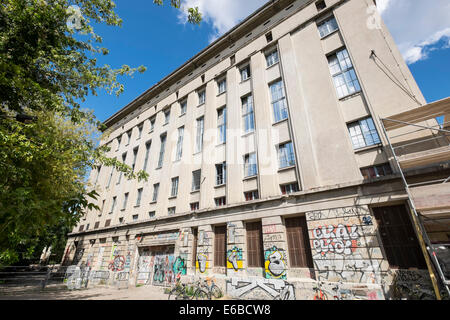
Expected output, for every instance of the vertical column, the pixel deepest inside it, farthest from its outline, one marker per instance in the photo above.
(235, 248)
(275, 248)
(204, 249)
(181, 253)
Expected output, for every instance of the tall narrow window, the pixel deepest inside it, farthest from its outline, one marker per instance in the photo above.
(140, 127)
(180, 143)
(248, 114)
(272, 58)
(245, 73)
(220, 246)
(161, 151)
(201, 97)
(119, 139)
(286, 156)
(129, 132)
(327, 26)
(298, 243)
(222, 125)
(221, 174)
(124, 157)
(343, 74)
(98, 174)
(103, 207)
(199, 137)
(222, 85)
(183, 107)
(250, 165)
(278, 97)
(174, 190)
(363, 133)
(196, 175)
(152, 124)
(113, 205)
(254, 244)
(135, 153)
(110, 176)
(139, 197)
(147, 153)
(166, 116)
(125, 200)
(155, 192)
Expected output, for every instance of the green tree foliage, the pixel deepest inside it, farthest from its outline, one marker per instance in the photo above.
(48, 66)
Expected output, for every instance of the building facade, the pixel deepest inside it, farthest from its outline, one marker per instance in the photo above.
(267, 166)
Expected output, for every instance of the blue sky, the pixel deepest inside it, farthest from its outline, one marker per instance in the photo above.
(158, 38)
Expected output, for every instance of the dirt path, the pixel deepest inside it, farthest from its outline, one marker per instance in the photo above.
(60, 292)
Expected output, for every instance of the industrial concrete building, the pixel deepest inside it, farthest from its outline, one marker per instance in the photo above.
(268, 166)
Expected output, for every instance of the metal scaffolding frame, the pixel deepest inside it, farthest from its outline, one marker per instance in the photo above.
(433, 156)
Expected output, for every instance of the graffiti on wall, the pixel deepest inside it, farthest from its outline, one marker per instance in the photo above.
(347, 268)
(275, 263)
(340, 239)
(99, 262)
(231, 232)
(117, 264)
(202, 262)
(234, 258)
(337, 213)
(78, 255)
(255, 288)
(411, 285)
(179, 267)
(144, 267)
(336, 246)
(76, 277)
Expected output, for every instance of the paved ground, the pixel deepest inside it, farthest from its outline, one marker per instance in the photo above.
(60, 292)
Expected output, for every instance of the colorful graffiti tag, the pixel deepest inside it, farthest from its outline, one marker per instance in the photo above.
(234, 259)
(202, 262)
(179, 267)
(339, 239)
(275, 263)
(117, 264)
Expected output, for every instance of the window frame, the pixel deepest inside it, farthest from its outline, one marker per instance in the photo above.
(222, 176)
(199, 180)
(222, 125)
(279, 104)
(248, 172)
(248, 110)
(288, 156)
(270, 60)
(325, 22)
(341, 69)
(363, 136)
(174, 188)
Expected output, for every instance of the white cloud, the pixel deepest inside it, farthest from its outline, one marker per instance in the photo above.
(418, 26)
(222, 14)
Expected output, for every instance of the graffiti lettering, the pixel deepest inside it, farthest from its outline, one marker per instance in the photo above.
(234, 258)
(275, 263)
(340, 239)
